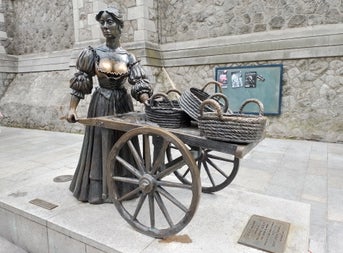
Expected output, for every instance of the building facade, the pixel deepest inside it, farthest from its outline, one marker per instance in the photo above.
(179, 41)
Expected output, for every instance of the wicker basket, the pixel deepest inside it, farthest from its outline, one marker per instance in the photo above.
(238, 128)
(166, 113)
(191, 99)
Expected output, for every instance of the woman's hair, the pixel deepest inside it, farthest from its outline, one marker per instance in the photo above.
(115, 14)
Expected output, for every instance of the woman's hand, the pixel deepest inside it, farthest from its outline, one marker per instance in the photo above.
(72, 116)
(144, 98)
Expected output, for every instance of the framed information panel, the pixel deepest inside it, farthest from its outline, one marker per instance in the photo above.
(262, 82)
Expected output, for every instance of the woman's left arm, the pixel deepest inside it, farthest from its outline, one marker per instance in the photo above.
(141, 89)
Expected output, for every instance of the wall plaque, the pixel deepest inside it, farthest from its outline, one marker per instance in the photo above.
(262, 82)
(265, 234)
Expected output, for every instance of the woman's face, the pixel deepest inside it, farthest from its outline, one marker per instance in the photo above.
(109, 27)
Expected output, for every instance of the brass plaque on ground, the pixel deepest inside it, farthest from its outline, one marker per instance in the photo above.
(265, 234)
(43, 204)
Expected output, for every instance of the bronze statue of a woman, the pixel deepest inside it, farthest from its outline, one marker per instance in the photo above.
(112, 65)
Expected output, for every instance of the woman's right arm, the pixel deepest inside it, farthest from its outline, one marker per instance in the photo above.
(72, 116)
(82, 82)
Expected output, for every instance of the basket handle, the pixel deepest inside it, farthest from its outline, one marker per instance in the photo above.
(226, 101)
(214, 104)
(256, 101)
(173, 90)
(215, 83)
(156, 95)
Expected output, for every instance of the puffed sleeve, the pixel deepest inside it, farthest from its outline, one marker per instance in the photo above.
(82, 82)
(139, 80)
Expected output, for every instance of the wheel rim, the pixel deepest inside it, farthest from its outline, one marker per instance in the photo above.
(217, 170)
(158, 204)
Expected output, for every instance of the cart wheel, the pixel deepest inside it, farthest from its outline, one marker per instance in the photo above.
(158, 204)
(217, 170)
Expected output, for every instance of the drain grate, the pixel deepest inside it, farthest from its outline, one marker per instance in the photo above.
(63, 178)
(42, 203)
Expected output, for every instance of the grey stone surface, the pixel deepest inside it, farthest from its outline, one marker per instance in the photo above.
(8, 247)
(206, 19)
(53, 29)
(200, 39)
(213, 229)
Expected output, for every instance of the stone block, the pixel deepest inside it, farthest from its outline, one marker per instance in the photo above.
(25, 228)
(80, 3)
(90, 249)
(8, 247)
(7, 225)
(136, 12)
(60, 243)
(91, 20)
(3, 35)
(146, 3)
(139, 35)
(146, 24)
(96, 32)
(97, 6)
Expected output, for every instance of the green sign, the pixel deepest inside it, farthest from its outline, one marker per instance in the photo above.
(263, 82)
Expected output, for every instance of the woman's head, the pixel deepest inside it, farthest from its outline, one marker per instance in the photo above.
(111, 22)
(114, 13)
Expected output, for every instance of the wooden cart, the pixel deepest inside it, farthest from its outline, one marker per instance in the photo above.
(170, 169)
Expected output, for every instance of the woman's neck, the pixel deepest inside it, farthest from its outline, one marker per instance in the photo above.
(113, 43)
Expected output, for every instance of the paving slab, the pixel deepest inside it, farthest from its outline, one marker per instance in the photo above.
(217, 225)
(80, 227)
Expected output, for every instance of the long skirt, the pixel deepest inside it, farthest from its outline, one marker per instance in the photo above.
(87, 183)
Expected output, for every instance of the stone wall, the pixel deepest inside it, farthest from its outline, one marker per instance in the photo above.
(38, 26)
(140, 20)
(188, 39)
(39, 101)
(5, 80)
(214, 18)
(312, 96)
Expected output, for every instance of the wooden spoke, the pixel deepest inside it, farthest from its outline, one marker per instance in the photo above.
(220, 158)
(129, 195)
(126, 180)
(163, 209)
(209, 174)
(160, 158)
(136, 156)
(147, 152)
(176, 185)
(152, 210)
(129, 167)
(217, 168)
(172, 199)
(139, 205)
(171, 167)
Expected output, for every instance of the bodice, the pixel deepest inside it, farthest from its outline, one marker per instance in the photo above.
(111, 67)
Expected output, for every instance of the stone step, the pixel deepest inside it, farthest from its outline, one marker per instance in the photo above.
(8, 247)
(80, 227)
